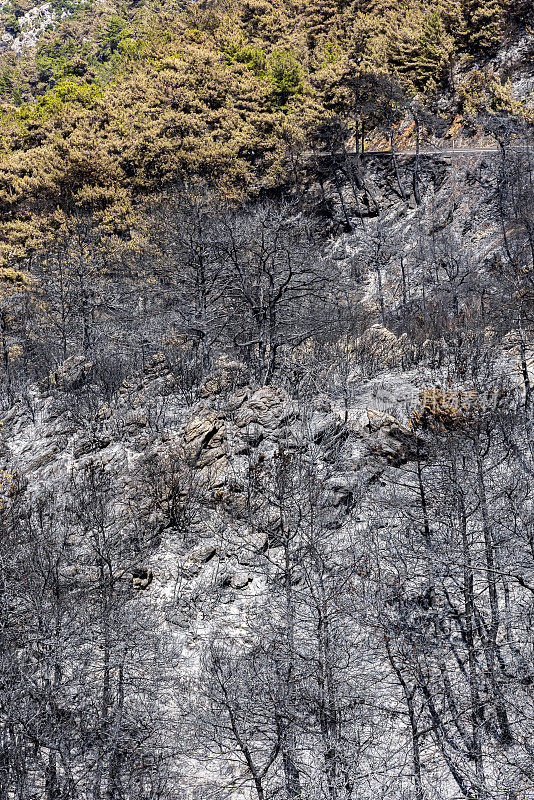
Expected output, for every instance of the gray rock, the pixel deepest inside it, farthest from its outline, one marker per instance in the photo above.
(239, 580)
(202, 554)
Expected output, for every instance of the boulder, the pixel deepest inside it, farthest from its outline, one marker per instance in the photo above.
(382, 346)
(268, 409)
(205, 439)
(201, 428)
(226, 376)
(240, 579)
(202, 553)
(237, 579)
(73, 373)
(390, 439)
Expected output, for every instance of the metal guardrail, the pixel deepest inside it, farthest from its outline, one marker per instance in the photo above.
(424, 151)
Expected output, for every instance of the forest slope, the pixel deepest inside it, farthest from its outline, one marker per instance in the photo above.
(267, 445)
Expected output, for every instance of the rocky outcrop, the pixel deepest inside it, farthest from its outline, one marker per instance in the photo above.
(380, 345)
(226, 376)
(33, 23)
(204, 439)
(188, 471)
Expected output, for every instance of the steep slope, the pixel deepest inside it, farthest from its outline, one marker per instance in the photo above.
(200, 570)
(266, 369)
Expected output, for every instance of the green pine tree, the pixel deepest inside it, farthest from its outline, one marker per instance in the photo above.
(285, 77)
(321, 17)
(424, 63)
(486, 19)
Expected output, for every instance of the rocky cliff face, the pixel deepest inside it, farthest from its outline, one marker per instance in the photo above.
(33, 23)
